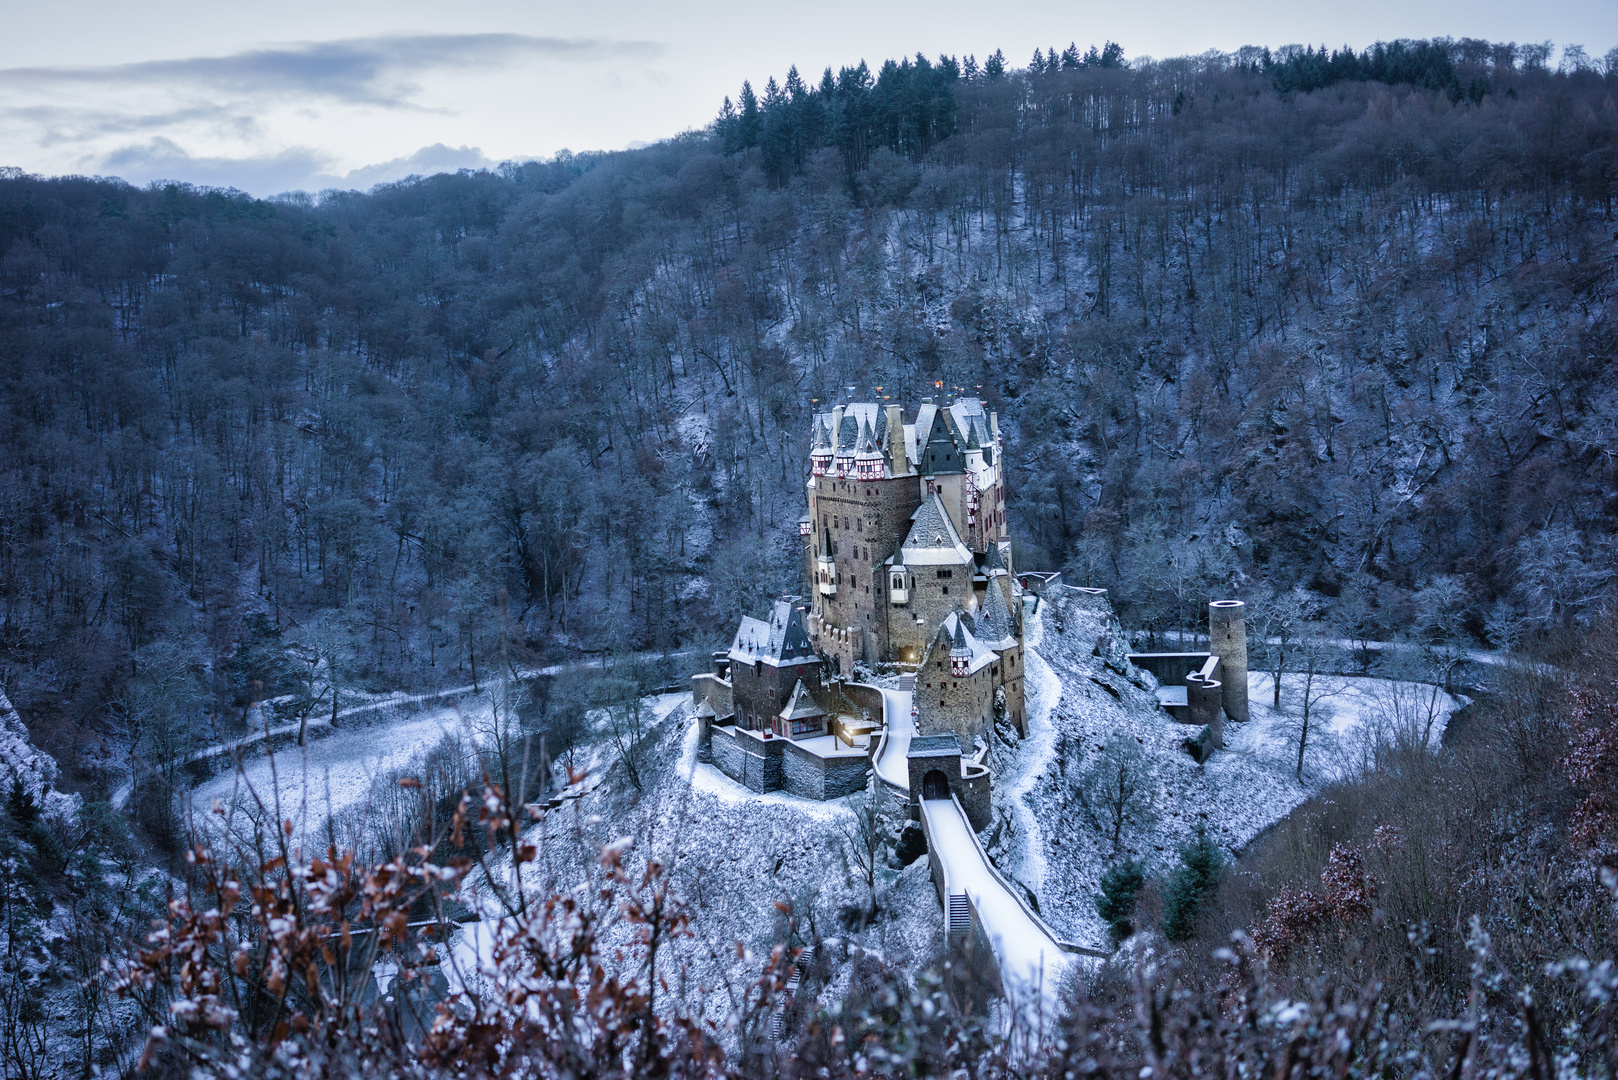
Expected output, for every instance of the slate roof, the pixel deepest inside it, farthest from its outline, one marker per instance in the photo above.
(927, 746)
(932, 540)
(845, 435)
(866, 446)
(801, 705)
(781, 640)
(957, 632)
(994, 623)
(940, 454)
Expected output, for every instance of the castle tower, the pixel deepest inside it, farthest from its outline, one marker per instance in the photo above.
(1227, 639)
(899, 516)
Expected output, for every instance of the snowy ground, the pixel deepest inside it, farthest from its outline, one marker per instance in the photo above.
(1041, 834)
(328, 776)
(1041, 689)
(736, 858)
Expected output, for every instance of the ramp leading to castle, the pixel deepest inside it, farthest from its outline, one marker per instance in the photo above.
(1032, 962)
(891, 763)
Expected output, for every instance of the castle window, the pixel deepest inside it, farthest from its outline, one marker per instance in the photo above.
(946, 573)
(943, 590)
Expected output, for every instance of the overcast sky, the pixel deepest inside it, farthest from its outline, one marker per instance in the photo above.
(309, 95)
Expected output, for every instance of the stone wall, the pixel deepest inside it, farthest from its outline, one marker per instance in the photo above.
(1227, 638)
(973, 789)
(752, 762)
(760, 691)
(946, 704)
(725, 754)
(932, 598)
(866, 520)
(814, 777)
(802, 773)
(1010, 676)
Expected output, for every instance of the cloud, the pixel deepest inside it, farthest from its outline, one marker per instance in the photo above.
(296, 169)
(299, 167)
(427, 161)
(371, 71)
(57, 125)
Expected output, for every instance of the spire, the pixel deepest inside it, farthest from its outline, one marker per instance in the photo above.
(960, 655)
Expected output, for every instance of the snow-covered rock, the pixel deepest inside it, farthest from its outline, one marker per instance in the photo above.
(21, 760)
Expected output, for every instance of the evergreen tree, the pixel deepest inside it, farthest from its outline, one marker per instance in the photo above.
(1192, 886)
(20, 804)
(748, 123)
(1120, 889)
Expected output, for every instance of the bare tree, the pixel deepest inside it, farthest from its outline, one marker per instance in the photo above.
(618, 695)
(1278, 621)
(1115, 789)
(865, 840)
(329, 650)
(1313, 653)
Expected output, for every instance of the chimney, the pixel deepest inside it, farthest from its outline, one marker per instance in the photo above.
(896, 440)
(836, 427)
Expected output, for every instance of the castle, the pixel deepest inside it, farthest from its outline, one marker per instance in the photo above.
(909, 569)
(905, 546)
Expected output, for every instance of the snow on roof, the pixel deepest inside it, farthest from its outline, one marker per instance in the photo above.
(957, 629)
(932, 540)
(866, 447)
(934, 746)
(801, 705)
(782, 640)
(994, 623)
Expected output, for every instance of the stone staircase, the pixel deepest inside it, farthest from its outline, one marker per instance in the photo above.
(778, 1019)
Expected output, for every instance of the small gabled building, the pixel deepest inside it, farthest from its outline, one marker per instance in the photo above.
(802, 717)
(767, 660)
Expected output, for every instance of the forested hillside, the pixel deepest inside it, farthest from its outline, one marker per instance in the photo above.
(1251, 322)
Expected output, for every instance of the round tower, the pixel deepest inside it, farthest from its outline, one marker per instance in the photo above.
(1227, 639)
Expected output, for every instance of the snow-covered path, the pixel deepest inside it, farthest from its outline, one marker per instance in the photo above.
(1042, 689)
(892, 765)
(1032, 964)
(312, 782)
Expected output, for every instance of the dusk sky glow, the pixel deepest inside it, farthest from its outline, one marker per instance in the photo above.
(314, 95)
